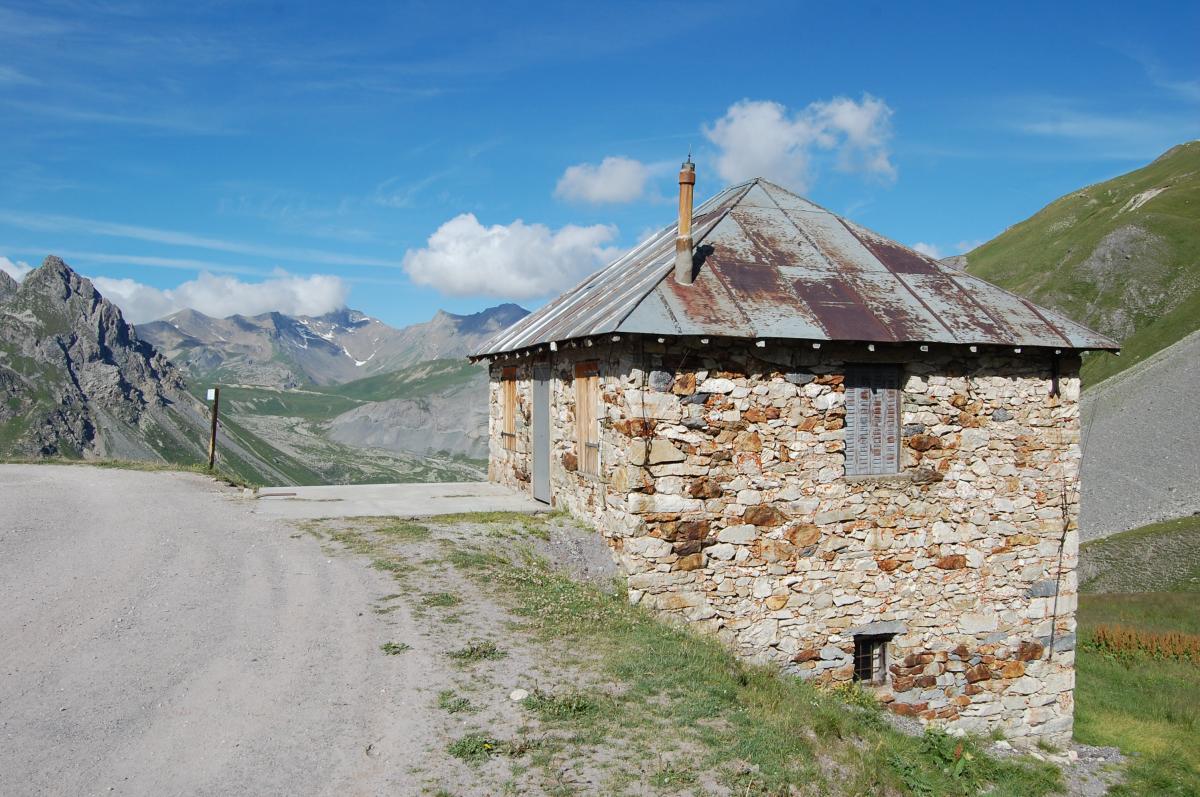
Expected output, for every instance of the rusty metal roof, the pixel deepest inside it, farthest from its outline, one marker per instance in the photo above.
(774, 265)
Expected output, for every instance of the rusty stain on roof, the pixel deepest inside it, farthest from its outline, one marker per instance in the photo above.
(771, 265)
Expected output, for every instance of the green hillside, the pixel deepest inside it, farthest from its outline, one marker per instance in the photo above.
(323, 403)
(1122, 256)
(422, 379)
(1161, 557)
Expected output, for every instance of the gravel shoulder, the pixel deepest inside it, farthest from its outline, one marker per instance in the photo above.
(160, 638)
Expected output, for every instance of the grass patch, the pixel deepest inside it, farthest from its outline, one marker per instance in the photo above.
(567, 706)
(1147, 706)
(475, 747)
(763, 733)
(395, 648)
(487, 518)
(440, 599)
(480, 650)
(1160, 557)
(453, 703)
(672, 777)
(404, 531)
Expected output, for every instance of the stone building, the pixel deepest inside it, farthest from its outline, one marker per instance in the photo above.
(831, 451)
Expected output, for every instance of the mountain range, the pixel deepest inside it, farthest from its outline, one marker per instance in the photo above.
(77, 381)
(283, 351)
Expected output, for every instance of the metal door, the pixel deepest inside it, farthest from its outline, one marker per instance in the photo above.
(541, 433)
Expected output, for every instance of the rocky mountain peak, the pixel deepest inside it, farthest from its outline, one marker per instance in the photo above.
(86, 382)
(8, 286)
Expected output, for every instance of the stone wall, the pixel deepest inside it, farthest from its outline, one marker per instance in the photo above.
(724, 495)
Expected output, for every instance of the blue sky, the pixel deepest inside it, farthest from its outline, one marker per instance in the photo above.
(405, 157)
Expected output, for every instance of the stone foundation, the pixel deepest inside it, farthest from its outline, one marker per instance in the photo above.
(723, 493)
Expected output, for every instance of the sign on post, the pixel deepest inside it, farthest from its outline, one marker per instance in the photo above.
(214, 395)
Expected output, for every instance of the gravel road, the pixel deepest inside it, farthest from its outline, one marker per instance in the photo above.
(158, 637)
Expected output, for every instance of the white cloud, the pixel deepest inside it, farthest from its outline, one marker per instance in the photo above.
(16, 270)
(938, 252)
(515, 261)
(614, 179)
(220, 296)
(762, 139)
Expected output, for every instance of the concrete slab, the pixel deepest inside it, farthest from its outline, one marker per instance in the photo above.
(392, 500)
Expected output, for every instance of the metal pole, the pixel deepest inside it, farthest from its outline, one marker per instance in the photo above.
(212, 439)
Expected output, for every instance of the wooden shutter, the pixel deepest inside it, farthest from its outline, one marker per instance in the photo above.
(587, 425)
(872, 419)
(508, 399)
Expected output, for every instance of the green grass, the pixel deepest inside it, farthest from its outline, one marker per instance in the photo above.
(475, 748)
(765, 733)
(308, 404)
(1160, 557)
(453, 703)
(479, 650)
(441, 599)
(403, 530)
(1150, 611)
(1149, 708)
(414, 381)
(395, 648)
(1042, 258)
(570, 705)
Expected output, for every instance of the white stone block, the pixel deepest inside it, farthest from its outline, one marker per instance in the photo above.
(738, 535)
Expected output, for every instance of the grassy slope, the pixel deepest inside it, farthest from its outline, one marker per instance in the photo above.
(669, 693)
(323, 403)
(422, 379)
(1161, 557)
(1150, 708)
(1041, 257)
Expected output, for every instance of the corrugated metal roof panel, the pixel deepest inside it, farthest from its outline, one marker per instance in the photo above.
(774, 265)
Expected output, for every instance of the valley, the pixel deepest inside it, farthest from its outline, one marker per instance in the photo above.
(336, 399)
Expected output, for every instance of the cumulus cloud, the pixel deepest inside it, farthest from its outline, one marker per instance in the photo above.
(220, 296)
(938, 252)
(763, 139)
(16, 270)
(516, 261)
(614, 179)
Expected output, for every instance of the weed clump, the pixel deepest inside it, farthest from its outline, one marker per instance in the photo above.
(481, 650)
(572, 705)
(453, 703)
(441, 599)
(475, 747)
(395, 648)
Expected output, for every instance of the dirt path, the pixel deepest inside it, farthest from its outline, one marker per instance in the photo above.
(160, 638)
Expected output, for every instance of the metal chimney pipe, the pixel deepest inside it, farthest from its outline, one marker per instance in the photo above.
(683, 242)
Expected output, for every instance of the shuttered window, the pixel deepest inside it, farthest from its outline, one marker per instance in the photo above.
(508, 401)
(587, 424)
(872, 419)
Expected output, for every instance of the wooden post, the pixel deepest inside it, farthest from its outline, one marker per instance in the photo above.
(212, 439)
